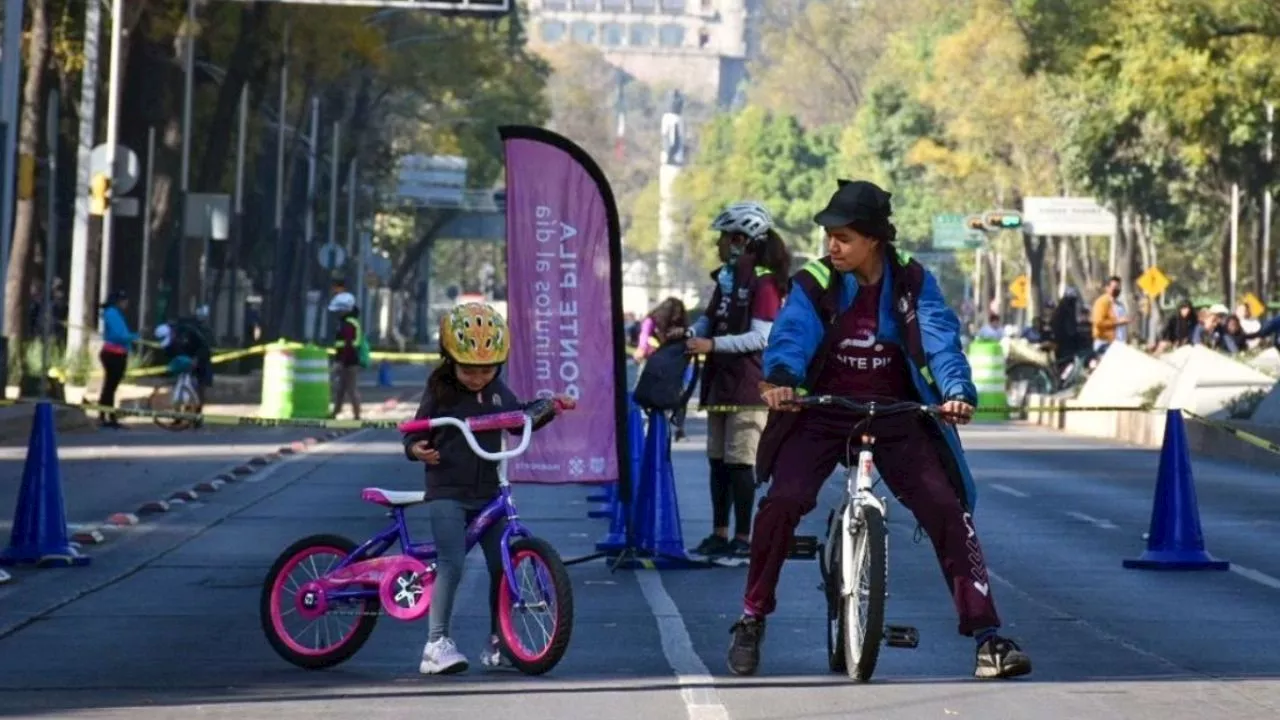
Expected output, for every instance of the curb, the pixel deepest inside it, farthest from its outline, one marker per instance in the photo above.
(117, 523)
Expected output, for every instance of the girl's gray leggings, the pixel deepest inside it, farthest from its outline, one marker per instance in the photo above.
(449, 519)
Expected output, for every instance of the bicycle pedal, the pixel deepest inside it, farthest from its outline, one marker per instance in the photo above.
(804, 547)
(901, 636)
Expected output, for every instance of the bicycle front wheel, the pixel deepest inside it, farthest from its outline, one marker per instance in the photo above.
(535, 627)
(864, 566)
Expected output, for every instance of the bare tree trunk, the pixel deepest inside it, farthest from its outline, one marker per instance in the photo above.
(1034, 248)
(1225, 260)
(16, 290)
(1258, 283)
(1082, 254)
(1147, 247)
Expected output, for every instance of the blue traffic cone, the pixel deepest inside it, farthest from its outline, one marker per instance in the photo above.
(607, 500)
(40, 520)
(616, 539)
(661, 532)
(384, 374)
(1175, 541)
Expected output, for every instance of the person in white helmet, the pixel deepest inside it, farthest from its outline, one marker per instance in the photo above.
(347, 346)
(749, 289)
(188, 344)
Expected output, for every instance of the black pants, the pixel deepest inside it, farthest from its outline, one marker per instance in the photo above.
(113, 366)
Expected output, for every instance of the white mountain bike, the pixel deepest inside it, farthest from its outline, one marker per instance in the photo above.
(183, 397)
(854, 560)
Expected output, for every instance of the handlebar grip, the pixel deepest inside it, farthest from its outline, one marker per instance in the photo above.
(497, 421)
(415, 426)
(543, 411)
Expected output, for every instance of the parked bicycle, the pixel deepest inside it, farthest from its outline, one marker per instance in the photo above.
(854, 559)
(183, 397)
(1029, 377)
(346, 580)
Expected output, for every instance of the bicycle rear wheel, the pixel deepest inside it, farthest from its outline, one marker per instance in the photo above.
(280, 607)
(864, 563)
(162, 400)
(543, 584)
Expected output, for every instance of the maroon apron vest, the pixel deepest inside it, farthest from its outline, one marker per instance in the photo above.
(733, 379)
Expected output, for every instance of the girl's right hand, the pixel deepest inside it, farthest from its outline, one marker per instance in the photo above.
(424, 452)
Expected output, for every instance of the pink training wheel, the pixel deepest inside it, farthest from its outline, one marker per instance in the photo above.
(405, 589)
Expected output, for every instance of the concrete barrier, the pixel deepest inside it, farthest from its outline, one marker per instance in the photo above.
(1145, 428)
(1207, 382)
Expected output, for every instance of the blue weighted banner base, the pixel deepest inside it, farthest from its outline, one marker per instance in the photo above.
(1176, 560)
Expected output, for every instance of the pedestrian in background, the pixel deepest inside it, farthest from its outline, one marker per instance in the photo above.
(1108, 317)
(657, 326)
(114, 356)
(347, 353)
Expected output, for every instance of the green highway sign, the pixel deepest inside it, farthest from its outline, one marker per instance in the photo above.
(951, 232)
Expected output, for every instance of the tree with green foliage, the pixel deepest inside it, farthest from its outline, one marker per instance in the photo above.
(755, 155)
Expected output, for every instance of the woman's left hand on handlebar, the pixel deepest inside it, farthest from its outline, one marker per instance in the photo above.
(957, 412)
(779, 398)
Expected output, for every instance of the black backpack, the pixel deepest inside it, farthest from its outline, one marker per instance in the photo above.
(661, 383)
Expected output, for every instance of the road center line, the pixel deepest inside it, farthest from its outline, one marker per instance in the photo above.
(1259, 577)
(1007, 490)
(697, 689)
(1104, 524)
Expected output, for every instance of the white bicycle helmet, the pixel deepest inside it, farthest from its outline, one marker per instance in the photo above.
(164, 335)
(749, 218)
(342, 302)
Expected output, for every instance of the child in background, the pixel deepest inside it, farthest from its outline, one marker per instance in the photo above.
(474, 344)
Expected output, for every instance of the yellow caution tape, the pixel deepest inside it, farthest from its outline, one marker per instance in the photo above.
(223, 420)
(1250, 438)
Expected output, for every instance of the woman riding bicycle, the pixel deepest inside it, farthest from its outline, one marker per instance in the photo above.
(474, 342)
(868, 323)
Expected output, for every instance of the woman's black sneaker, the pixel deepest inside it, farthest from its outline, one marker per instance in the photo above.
(744, 651)
(713, 546)
(1001, 658)
(740, 548)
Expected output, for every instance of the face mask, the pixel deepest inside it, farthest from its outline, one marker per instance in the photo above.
(725, 278)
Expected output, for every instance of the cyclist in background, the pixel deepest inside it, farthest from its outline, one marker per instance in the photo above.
(869, 323)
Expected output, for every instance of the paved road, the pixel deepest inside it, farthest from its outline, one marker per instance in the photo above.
(109, 471)
(172, 630)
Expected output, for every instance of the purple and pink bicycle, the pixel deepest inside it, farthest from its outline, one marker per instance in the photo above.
(342, 581)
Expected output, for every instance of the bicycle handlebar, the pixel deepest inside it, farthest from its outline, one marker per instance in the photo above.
(523, 419)
(873, 409)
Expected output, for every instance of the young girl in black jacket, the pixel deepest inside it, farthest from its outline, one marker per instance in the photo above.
(474, 343)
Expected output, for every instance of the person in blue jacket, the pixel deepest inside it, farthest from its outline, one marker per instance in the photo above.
(114, 356)
(868, 323)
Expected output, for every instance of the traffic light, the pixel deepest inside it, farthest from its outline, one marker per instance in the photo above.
(1003, 220)
(99, 194)
(975, 222)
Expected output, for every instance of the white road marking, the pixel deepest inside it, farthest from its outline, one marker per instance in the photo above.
(1007, 490)
(1259, 577)
(697, 690)
(1104, 524)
